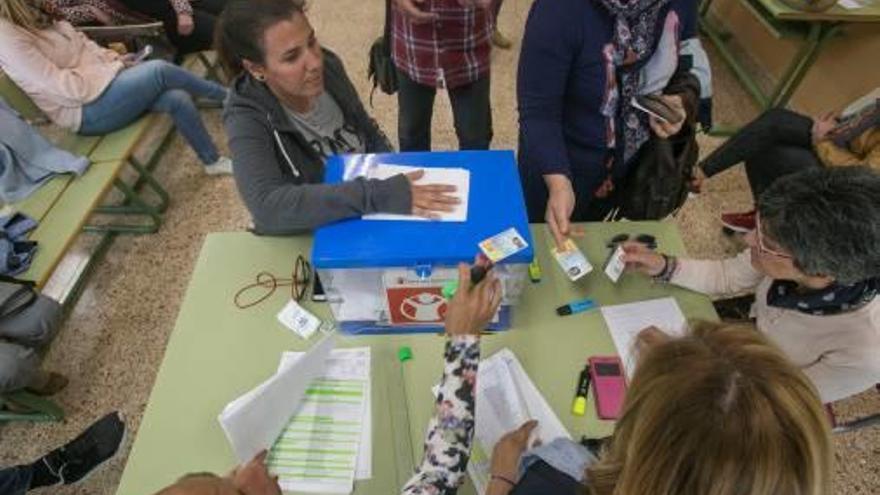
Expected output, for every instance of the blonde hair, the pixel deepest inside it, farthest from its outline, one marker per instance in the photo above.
(722, 412)
(26, 15)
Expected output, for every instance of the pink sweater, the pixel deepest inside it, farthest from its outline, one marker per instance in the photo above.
(839, 353)
(61, 69)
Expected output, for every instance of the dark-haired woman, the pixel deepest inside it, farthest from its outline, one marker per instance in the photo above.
(292, 107)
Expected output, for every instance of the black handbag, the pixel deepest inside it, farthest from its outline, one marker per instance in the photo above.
(381, 69)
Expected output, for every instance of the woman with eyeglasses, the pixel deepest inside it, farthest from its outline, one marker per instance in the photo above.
(814, 265)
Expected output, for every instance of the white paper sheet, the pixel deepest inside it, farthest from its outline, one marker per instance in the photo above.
(350, 364)
(253, 421)
(459, 177)
(850, 4)
(506, 398)
(625, 321)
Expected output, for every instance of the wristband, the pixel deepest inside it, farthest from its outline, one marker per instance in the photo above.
(502, 478)
(670, 264)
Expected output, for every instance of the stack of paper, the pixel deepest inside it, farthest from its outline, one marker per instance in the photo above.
(625, 321)
(328, 444)
(315, 415)
(253, 421)
(458, 177)
(506, 398)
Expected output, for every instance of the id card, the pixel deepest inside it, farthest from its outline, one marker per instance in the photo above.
(296, 318)
(572, 260)
(503, 245)
(615, 265)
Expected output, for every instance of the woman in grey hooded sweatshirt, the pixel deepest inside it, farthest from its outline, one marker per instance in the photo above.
(291, 107)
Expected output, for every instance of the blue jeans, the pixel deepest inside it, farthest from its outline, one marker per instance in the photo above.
(15, 480)
(158, 86)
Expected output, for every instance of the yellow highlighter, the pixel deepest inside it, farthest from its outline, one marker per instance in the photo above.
(579, 407)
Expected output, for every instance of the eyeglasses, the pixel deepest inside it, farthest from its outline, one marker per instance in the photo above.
(302, 275)
(647, 239)
(298, 282)
(763, 249)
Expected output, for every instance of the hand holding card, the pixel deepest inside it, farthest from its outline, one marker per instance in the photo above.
(572, 260)
(615, 265)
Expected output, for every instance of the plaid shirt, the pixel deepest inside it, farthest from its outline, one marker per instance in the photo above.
(450, 52)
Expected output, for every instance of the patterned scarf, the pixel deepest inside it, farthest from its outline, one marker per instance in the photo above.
(832, 300)
(636, 32)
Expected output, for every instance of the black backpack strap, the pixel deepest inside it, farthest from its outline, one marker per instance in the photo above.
(19, 300)
(13, 280)
(387, 32)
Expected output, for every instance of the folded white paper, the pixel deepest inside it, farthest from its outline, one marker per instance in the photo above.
(253, 421)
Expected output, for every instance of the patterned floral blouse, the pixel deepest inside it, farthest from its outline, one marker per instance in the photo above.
(451, 431)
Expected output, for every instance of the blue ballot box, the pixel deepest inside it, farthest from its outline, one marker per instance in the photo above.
(386, 276)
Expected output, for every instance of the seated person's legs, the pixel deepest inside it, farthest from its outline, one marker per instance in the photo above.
(777, 161)
(19, 368)
(776, 126)
(179, 105)
(155, 85)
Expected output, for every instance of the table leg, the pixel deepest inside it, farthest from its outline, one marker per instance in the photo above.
(715, 34)
(819, 33)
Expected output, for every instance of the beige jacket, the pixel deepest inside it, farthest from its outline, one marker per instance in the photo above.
(839, 353)
(60, 69)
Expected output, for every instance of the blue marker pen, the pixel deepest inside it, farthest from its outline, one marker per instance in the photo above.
(575, 307)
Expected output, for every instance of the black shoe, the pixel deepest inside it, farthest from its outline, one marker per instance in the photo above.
(82, 455)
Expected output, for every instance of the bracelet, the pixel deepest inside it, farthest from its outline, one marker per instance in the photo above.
(502, 478)
(670, 264)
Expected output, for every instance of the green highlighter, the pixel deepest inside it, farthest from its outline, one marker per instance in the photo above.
(478, 273)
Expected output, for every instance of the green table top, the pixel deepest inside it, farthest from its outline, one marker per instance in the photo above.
(869, 13)
(217, 352)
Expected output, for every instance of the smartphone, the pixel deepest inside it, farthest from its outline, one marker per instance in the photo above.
(655, 106)
(609, 385)
(318, 294)
(143, 54)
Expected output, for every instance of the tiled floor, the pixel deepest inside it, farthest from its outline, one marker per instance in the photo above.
(113, 342)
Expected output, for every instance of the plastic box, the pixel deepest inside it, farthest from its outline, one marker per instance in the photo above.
(386, 276)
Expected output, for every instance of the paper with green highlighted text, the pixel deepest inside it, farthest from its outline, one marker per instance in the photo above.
(329, 440)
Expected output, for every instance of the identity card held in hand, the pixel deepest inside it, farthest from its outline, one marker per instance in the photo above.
(572, 260)
(503, 245)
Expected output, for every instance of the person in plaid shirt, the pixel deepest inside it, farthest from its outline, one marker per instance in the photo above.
(443, 44)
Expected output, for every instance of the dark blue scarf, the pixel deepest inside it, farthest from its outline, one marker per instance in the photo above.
(832, 300)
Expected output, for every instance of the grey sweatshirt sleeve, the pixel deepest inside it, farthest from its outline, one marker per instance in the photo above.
(279, 206)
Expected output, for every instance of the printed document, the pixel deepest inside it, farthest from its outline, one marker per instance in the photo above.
(253, 421)
(625, 321)
(506, 398)
(349, 365)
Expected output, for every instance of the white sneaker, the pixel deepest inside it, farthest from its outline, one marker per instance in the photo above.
(223, 166)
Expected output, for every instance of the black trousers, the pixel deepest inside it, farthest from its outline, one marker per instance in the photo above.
(205, 14)
(776, 144)
(471, 111)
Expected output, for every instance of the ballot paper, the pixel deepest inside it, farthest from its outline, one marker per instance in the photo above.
(349, 365)
(253, 421)
(625, 321)
(459, 177)
(506, 398)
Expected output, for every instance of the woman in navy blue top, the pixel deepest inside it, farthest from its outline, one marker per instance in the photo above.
(582, 62)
